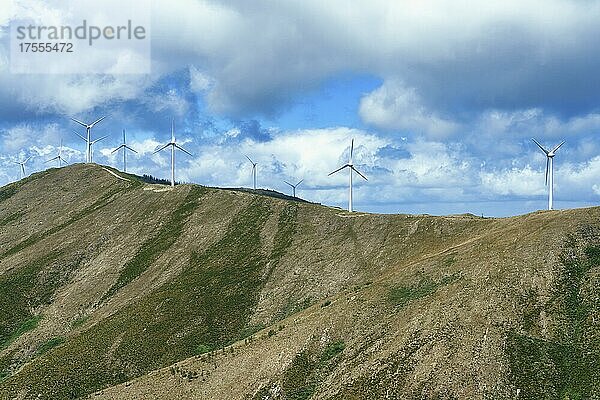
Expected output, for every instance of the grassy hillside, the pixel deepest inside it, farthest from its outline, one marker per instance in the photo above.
(116, 288)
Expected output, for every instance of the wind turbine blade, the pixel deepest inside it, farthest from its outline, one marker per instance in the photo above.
(540, 146)
(82, 138)
(79, 122)
(301, 180)
(339, 169)
(63, 160)
(27, 159)
(52, 159)
(129, 148)
(182, 149)
(117, 149)
(358, 172)
(172, 130)
(99, 139)
(95, 122)
(288, 183)
(547, 168)
(557, 147)
(18, 163)
(162, 148)
(249, 159)
(351, 150)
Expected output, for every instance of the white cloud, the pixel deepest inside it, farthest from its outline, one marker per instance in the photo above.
(255, 58)
(199, 81)
(572, 181)
(393, 106)
(27, 135)
(516, 181)
(170, 100)
(297, 154)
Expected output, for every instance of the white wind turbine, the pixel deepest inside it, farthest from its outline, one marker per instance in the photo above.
(253, 171)
(173, 145)
(92, 147)
(88, 138)
(351, 166)
(22, 166)
(59, 158)
(549, 169)
(125, 148)
(294, 186)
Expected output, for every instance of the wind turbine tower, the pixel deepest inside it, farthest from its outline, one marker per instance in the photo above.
(294, 186)
(253, 171)
(174, 146)
(88, 138)
(22, 166)
(125, 148)
(58, 158)
(350, 165)
(549, 169)
(92, 147)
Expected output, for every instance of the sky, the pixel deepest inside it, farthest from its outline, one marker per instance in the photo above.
(441, 98)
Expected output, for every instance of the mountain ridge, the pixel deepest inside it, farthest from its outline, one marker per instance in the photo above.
(123, 280)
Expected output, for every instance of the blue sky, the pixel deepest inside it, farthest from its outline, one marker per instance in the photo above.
(442, 99)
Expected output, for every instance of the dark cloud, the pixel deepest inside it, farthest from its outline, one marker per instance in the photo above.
(395, 152)
(252, 129)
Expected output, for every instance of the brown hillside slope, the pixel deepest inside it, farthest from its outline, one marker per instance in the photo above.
(104, 280)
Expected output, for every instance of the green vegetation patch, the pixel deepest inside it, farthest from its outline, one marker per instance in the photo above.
(551, 370)
(203, 349)
(292, 307)
(307, 371)
(11, 218)
(299, 379)
(8, 191)
(567, 367)
(208, 304)
(248, 331)
(391, 379)
(401, 296)
(286, 229)
(103, 201)
(451, 260)
(26, 326)
(28, 287)
(11, 189)
(80, 321)
(23, 289)
(50, 344)
(5, 364)
(333, 350)
(593, 255)
(155, 246)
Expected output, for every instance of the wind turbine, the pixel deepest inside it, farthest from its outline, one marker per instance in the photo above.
(294, 186)
(125, 148)
(88, 138)
(173, 145)
(351, 166)
(58, 157)
(549, 169)
(22, 166)
(92, 147)
(253, 170)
